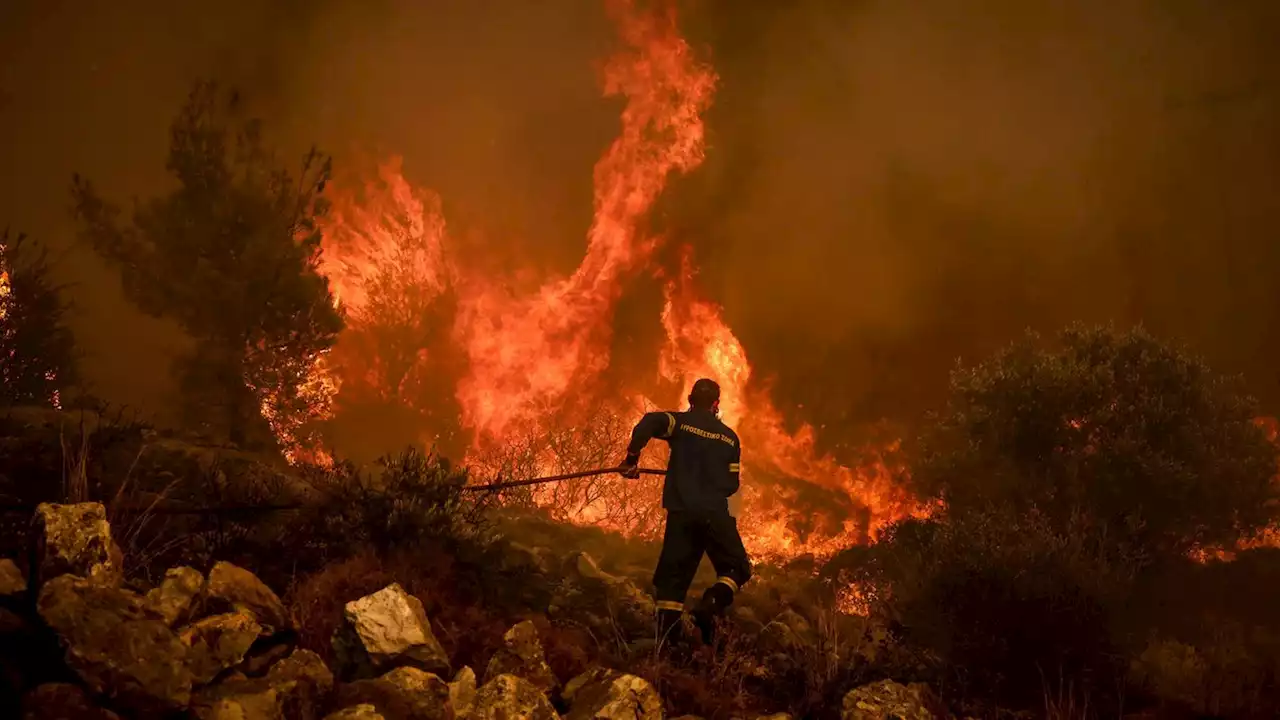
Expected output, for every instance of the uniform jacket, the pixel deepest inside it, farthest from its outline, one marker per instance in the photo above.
(705, 455)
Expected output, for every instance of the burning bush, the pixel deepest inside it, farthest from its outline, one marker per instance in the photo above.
(37, 351)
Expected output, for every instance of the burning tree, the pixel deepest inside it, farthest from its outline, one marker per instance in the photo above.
(230, 254)
(37, 350)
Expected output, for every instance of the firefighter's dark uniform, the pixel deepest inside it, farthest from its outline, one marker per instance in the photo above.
(702, 473)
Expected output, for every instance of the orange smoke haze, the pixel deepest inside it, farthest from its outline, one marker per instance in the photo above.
(887, 186)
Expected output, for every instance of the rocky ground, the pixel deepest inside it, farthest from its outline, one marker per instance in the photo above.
(79, 640)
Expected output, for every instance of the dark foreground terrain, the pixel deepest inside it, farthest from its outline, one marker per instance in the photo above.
(1100, 551)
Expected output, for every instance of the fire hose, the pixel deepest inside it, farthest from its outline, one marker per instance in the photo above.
(258, 509)
(558, 478)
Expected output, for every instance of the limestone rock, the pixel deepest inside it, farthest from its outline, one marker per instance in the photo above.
(385, 630)
(175, 599)
(218, 642)
(887, 698)
(12, 582)
(239, 701)
(303, 682)
(295, 689)
(75, 539)
(624, 604)
(521, 557)
(363, 711)
(602, 694)
(508, 697)
(115, 646)
(261, 659)
(233, 589)
(62, 701)
(462, 692)
(586, 566)
(405, 693)
(522, 655)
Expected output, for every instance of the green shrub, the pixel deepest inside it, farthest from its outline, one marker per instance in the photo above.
(1072, 475)
(1001, 606)
(1140, 441)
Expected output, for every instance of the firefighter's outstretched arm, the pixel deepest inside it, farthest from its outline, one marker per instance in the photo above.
(652, 425)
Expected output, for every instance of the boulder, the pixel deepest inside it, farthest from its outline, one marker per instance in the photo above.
(602, 694)
(620, 601)
(508, 697)
(115, 646)
(12, 582)
(239, 701)
(462, 692)
(405, 693)
(176, 598)
(296, 688)
(521, 557)
(887, 698)
(62, 701)
(585, 567)
(262, 657)
(364, 711)
(76, 540)
(304, 683)
(217, 643)
(522, 655)
(385, 630)
(233, 589)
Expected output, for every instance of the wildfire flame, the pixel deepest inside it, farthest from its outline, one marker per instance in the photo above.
(527, 369)
(521, 375)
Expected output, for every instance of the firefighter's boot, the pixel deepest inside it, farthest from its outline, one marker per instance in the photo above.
(715, 601)
(669, 627)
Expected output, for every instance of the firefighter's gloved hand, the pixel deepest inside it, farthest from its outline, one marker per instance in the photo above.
(630, 468)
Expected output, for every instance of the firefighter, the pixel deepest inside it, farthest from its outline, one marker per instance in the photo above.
(702, 473)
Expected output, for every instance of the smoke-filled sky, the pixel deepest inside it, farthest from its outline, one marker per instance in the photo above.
(888, 185)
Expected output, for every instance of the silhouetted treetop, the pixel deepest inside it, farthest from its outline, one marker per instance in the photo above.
(230, 254)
